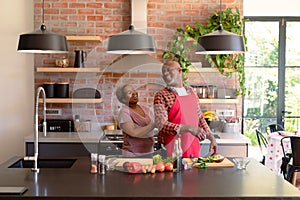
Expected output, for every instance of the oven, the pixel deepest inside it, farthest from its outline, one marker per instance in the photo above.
(112, 141)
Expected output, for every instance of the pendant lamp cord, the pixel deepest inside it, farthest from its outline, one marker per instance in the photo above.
(220, 23)
(43, 12)
(43, 26)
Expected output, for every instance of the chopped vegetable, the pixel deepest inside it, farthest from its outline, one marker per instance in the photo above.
(202, 164)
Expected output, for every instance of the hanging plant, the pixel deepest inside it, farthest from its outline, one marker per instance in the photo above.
(227, 64)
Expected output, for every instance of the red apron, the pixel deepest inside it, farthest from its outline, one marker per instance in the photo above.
(184, 111)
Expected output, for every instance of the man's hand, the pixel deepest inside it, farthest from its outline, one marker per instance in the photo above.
(196, 131)
(213, 144)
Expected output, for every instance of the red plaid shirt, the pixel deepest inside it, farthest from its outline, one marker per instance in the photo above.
(163, 101)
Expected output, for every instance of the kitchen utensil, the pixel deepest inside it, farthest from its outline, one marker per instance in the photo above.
(80, 58)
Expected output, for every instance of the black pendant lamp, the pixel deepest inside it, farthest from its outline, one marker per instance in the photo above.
(131, 42)
(220, 41)
(42, 41)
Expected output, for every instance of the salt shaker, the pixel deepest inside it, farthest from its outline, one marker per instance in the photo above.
(101, 164)
(93, 163)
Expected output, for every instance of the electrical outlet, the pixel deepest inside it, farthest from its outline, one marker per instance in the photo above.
(225, 113)
(51, 111)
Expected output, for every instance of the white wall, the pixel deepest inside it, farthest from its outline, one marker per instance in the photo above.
(271, 8)
(16, 78)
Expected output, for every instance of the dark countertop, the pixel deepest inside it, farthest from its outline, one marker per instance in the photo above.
(256, 182)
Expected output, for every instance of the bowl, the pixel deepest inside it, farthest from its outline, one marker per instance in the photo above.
(241, 162)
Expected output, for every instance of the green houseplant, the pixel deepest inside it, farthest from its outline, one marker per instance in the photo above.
(227, 64)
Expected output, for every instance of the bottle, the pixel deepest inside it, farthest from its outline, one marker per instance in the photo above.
(101, 164)
(179, 156)
(174, 154)
(93, 169)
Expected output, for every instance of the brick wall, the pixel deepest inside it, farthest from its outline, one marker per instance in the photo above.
(106, 17)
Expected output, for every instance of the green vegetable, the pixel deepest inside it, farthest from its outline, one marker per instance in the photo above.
(203, 162)
(168, 159)
(208, 159)
(202, 165)
(157, 158)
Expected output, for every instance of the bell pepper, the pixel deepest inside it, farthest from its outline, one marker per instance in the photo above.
(215, 150)
(134, 167)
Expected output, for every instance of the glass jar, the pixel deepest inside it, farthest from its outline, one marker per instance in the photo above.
(212, 92)
(202, 92)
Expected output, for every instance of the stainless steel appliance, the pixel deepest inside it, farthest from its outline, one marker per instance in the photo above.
(112, 141)
(59, 125)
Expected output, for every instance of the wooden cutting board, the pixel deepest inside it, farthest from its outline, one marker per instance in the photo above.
(118, 162)
(225, 163)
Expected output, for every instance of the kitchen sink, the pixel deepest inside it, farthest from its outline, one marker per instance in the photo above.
(44, 163)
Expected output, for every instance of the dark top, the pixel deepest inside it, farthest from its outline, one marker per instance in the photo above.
(211, 183)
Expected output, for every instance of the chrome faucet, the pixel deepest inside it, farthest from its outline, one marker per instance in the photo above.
(40, 90)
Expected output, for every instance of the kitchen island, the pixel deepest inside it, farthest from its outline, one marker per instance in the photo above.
(256, 182)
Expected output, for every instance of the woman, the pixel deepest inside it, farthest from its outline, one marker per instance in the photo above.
(137, 123)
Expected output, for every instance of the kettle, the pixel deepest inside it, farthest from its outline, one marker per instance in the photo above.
(80, 57)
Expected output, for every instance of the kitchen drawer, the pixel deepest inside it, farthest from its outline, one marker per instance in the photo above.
(110, 148)
(62, 149)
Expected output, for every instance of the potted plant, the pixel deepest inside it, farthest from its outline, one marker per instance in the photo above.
(227, 64)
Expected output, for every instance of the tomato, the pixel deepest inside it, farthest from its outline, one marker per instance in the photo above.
(160, 167)
(168, 166)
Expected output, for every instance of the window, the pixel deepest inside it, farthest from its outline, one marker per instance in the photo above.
(272, 68)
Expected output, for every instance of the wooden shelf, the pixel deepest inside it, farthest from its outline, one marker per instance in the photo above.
(217, 101)
(67, 69)
(70, 100)
(83, 38)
